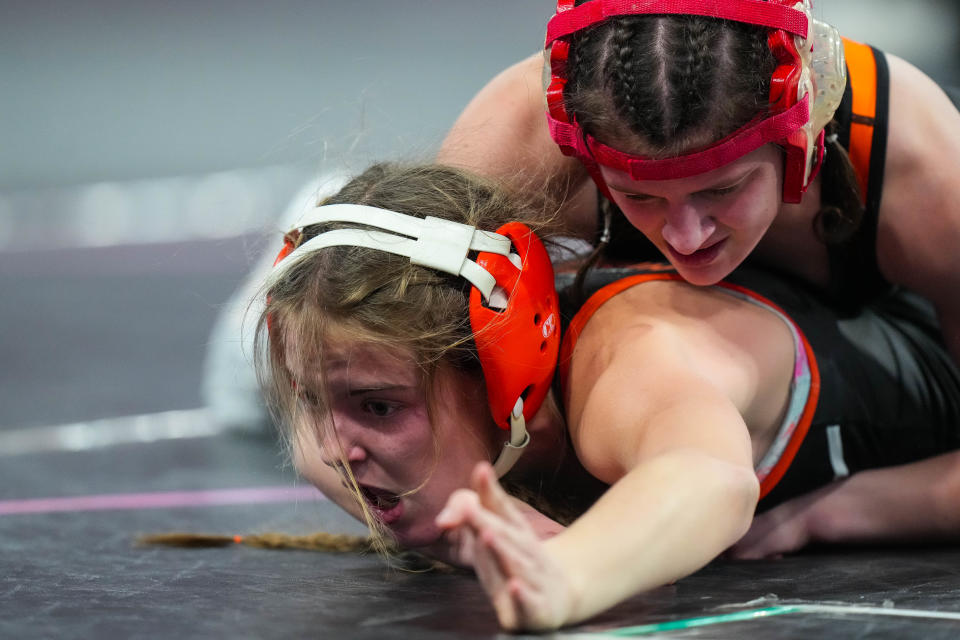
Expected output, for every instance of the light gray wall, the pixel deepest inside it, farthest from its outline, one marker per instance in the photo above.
(112, 89)
(113, 111)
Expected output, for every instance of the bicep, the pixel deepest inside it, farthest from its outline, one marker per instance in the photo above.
(650, 399)
(919, 226)
(919, 223)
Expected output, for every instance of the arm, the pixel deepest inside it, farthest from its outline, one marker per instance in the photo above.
(919, 227)
(502, 133)
(907, 503)
(678, 454)
(683, 489)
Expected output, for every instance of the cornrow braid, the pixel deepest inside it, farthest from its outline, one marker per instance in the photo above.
(694, 84)
(621, 67)
(661, 85)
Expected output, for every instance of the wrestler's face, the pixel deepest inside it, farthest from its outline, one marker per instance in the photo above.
(406, 460)
(707, 224)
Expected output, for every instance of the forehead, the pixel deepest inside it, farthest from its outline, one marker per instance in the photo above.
(338, 356)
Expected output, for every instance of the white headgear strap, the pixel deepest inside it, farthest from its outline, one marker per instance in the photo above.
(431, 242)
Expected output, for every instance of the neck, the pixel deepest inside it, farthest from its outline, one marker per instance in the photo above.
(548, 441)
(548, 476)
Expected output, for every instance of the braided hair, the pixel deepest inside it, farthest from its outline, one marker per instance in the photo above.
(668, 83)
(664, 85)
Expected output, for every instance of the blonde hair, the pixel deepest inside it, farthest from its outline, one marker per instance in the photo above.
(379, 298)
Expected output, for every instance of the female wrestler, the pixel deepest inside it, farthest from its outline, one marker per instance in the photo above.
(411, 340)
(697, 121)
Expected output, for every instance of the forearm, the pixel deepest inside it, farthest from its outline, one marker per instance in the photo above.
(950, 326)
(917, 501)
(665, 519)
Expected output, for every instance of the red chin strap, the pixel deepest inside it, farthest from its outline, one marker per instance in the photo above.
(790, 111)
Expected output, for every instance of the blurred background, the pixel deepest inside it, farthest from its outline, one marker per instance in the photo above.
(147, 149)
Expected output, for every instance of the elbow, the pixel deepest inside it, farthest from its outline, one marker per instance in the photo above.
(750, 487)
(725, 493)
(738, 491)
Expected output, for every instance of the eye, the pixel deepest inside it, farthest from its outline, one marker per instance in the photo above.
(721, 191)
(642, 198)
(380, 408)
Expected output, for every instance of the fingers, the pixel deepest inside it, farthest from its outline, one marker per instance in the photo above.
(770, 536)
(487, 498)
(460, 505)
(488, 567)
(484, 481)
(496, 537)
(511, 583)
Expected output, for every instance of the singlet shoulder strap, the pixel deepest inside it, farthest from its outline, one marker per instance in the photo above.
(870, 94)
(594, 302)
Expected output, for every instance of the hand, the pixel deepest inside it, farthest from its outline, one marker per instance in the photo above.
(786, 528)
(525, 584)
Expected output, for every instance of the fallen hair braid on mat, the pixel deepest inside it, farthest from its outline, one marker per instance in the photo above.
(321, 541)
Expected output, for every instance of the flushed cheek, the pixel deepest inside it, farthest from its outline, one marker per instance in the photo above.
(746, 217)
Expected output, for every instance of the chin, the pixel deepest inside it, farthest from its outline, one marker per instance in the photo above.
(418, 535)
(702, 277)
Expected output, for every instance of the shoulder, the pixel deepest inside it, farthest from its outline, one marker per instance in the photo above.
(503, 133)
(667, 364)
(505, 116)
(919, 225)
(668, 335)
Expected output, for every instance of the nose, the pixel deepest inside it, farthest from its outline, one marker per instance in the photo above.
(686, 229)
(333, 440)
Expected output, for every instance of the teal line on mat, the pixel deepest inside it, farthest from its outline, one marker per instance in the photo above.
(702, 621)
(751, 614)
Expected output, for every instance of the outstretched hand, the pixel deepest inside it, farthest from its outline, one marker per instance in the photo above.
(786, 528)
(501, 538)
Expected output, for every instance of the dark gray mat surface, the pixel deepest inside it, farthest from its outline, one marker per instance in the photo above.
(78, 574)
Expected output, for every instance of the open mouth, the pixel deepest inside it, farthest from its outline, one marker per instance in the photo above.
(385, 505)
(699, 257)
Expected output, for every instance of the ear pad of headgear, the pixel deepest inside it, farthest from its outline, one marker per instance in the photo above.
(813, 65)
(290, 242)
(517, 345)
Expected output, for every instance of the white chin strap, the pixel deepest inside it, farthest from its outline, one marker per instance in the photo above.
(519, 438)
(430, 242)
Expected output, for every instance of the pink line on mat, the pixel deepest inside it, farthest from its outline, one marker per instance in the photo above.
(160, 500)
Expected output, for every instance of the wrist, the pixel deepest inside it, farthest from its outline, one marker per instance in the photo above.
(572, 605)
(830, 518)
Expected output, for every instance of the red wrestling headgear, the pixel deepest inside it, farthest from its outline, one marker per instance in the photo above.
(514, 309)
(805, 89)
